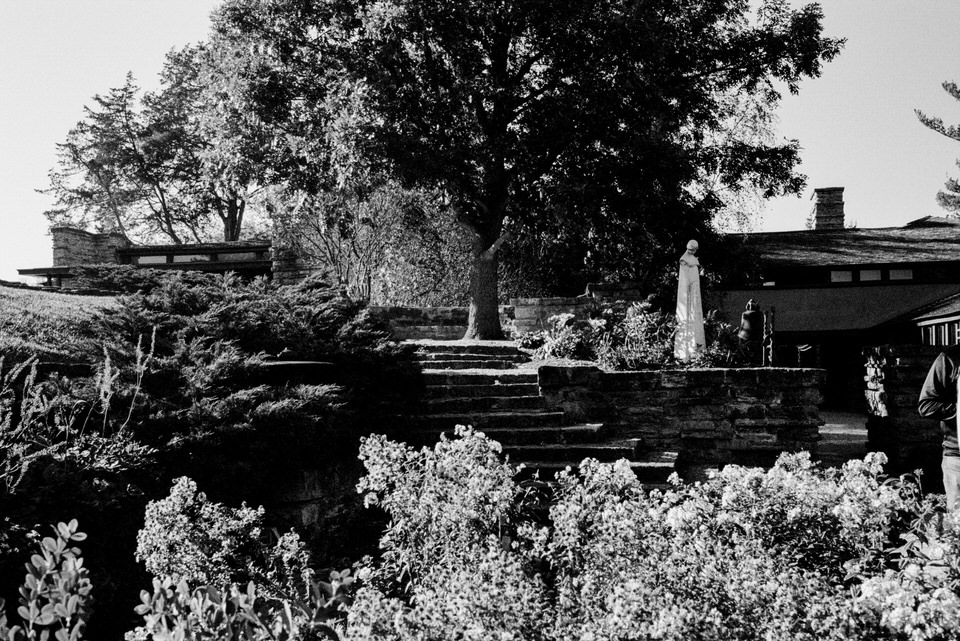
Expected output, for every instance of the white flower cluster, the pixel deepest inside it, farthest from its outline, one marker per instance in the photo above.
(794, 552)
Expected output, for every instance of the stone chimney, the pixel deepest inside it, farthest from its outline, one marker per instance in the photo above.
(73, 247)
(827, 211)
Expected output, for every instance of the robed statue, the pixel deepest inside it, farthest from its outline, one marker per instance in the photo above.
(689, 338)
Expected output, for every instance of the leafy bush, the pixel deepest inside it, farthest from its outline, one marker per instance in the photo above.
(794, 552)
(55, 597)
(181, 391)
(530, 340)
(174, 612)
(568, 337)
(640, 339)
(643, 338)
(127, 279)
(188, 539)
(630, 338)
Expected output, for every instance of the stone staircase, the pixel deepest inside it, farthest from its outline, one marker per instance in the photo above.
(484, 386)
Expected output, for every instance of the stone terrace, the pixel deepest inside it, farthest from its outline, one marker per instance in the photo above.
(689, 421)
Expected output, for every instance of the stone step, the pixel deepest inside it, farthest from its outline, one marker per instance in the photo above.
(518, 419)
(469, 364)
(479, 377)
(452, 403)
(465, 347)
(408, 332)
(550, 434)
(428, 357)
(651, 469)
(498, 390)
(567, 452)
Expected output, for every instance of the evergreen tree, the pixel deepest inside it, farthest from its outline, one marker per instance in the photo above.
(948, 198)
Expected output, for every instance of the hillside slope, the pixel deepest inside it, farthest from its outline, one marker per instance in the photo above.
(53, 325)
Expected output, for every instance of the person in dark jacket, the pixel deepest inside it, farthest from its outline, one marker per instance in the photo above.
(938, 399)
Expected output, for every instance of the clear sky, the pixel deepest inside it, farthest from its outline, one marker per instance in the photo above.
(54, 56)
(855, 123)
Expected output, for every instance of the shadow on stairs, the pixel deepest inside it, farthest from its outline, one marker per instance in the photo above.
(484, 384)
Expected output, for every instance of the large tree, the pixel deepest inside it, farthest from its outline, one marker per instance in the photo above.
(948, 198)
(172, 164)
(591, 119)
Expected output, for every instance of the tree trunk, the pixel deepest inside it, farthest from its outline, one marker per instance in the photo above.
(233, 219)
(483, 322)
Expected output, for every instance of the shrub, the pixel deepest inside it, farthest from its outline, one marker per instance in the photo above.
(180, 392)
(187, 539)
(531, 340)
(570, 338)
(55, 597)
(794, 552)
(126, 279)
(642, 338)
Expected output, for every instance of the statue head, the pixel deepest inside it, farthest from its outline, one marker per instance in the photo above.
(692, 247)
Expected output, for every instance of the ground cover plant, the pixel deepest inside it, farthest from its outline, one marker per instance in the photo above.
(173, 384)
(53, 326)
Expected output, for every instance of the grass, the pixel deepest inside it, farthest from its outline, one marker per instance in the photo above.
(52, 325)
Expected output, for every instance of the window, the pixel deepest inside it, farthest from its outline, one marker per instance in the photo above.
(869, 274)
(956, 333)
(901, 274)
(841, 276)
(151, 260)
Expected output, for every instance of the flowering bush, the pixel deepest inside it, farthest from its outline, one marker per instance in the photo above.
(794, 552)
(243, 587)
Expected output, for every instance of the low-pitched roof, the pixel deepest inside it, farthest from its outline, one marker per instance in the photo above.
(928, 239)
(941, 309)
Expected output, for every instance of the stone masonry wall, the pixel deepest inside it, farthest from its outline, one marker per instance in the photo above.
(894, 376)
(288, 269)
(532, 314)
(73, 247)
(437, 323)
(711, 417)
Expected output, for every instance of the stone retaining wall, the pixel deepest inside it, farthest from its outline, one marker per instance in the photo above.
(532, 314)
(711, 417)
(288, 269)
(894, 376)
(437, 323)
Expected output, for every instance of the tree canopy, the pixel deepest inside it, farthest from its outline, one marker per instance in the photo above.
(591, 121)
(170, 164)
(948, 198)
